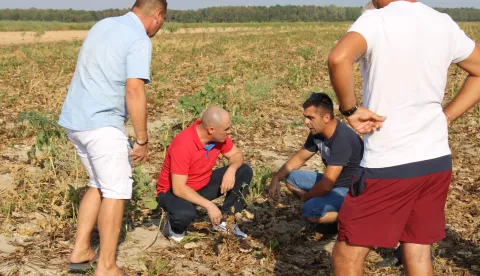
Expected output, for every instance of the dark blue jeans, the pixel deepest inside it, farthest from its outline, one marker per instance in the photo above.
(316, 207)
(182, 213)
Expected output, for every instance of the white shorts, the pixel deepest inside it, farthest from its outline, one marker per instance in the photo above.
(104, 153)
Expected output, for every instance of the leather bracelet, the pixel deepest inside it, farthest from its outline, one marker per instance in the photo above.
(141, 144)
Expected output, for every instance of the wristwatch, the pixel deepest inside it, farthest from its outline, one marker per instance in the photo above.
(141, 144)
(349, 112)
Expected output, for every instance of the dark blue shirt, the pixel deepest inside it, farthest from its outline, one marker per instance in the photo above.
(344, 148)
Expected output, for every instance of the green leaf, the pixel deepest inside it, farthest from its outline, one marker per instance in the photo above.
(150, 204)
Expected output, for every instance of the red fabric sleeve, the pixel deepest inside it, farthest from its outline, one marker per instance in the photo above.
(227, 146)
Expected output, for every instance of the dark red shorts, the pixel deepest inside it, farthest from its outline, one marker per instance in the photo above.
(404, 203)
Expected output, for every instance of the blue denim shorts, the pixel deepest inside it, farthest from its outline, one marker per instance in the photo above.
(316, 207)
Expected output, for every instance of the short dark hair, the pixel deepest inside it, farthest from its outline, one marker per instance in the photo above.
(149, 4)
(322, 100)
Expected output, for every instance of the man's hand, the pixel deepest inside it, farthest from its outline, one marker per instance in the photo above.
(215, 214)
(365, 121)
(139, 153)
(274, 189)
(228, 181)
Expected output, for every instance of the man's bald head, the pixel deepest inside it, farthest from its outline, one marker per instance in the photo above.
(216, 123)
(215, 116)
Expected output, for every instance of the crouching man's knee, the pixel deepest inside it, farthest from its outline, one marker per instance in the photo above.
(330, 217)
(315, 213)
(181, 219)
(245, 172)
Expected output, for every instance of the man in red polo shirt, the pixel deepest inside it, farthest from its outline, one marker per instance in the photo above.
(187, 179)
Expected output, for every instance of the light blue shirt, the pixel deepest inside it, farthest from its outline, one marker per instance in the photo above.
(116, 49)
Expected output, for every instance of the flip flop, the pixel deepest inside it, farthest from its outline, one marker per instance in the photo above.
(85, 265)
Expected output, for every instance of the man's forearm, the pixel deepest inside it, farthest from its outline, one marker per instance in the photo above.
(468, 96)
(321, 188)
(192, 196)
(288, 167)
(342, 79)
(283, 172)
(235, 162)
(137, 108)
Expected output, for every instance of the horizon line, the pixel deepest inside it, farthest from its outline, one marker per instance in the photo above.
(223, 6)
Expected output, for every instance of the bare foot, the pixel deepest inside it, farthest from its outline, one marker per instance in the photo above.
(80, 256)
(109, 272)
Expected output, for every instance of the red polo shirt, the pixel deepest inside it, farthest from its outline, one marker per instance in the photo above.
(186, 155)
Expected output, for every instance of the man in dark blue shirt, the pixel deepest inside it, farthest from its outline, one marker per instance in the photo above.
(341, 150)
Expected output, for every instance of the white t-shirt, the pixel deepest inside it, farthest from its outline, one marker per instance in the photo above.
(410, 48)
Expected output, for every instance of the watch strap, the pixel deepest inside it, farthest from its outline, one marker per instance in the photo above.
(141, 144)
(349, 112)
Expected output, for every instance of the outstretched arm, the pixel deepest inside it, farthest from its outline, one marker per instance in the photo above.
(294, 163)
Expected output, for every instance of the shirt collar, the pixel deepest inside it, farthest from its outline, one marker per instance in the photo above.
(329, 140)
(137, 21)
(196, 139)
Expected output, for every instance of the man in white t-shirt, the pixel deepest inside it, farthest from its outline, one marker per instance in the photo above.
(405, 49)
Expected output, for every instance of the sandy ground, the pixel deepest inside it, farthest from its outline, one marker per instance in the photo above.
(12, 38)
(28, 235)
(141, 242)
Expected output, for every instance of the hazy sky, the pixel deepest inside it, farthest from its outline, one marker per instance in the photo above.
(195, 4)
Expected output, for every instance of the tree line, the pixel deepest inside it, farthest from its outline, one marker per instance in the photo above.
(223, 14)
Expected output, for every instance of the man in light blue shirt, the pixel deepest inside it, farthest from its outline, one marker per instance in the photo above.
(108, 85)
(116, 49)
